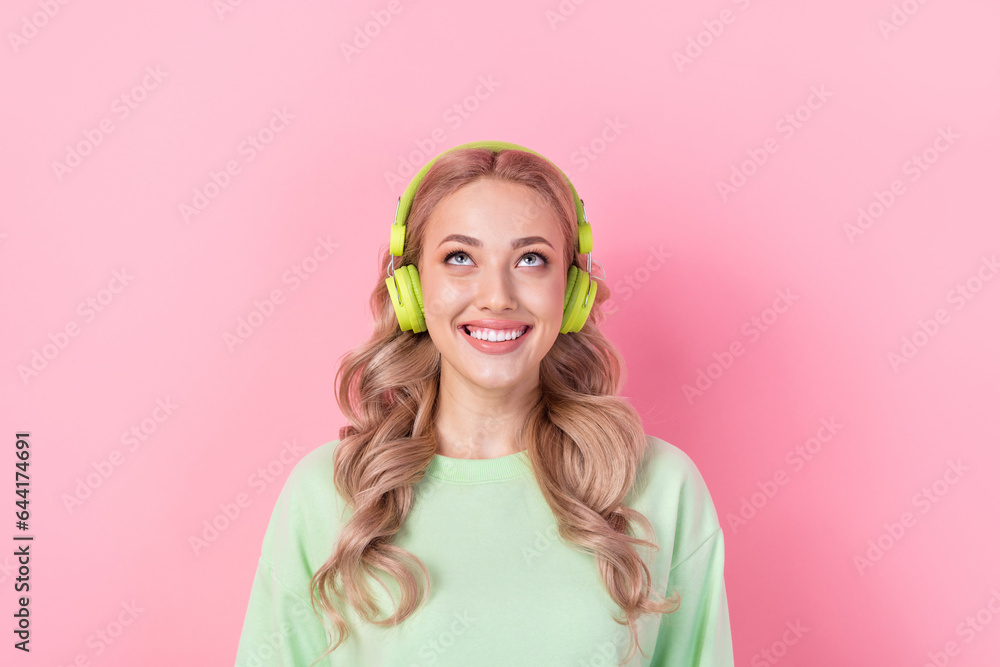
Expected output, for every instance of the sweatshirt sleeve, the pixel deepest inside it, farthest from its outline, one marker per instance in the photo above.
(280, 627)
(698, 633)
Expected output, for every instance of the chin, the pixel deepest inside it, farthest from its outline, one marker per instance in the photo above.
(500, 381)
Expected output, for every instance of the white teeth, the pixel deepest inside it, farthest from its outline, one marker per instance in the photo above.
(495, 335)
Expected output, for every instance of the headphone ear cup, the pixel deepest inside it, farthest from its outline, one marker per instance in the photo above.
(420, 324)
(410, 313)
(414, 318)
(571, 279)
(395, 297)
(588, 288)
(576, 289)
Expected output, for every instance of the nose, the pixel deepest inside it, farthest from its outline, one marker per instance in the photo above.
(496, 290)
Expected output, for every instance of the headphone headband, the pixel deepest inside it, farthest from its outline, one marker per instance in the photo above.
(405, 202)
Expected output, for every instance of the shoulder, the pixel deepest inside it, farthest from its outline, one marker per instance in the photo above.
(308, 511)
(314, 469)
(666, 470)
(670, 490)
(309, 485)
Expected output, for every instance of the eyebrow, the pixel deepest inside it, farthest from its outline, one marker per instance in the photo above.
(516, 243)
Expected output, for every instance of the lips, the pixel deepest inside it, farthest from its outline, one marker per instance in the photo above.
(502, 344)
(509, 331)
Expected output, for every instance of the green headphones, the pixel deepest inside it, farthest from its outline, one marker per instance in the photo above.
(404, 283)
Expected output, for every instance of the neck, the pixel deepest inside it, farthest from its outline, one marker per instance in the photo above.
(474, 422)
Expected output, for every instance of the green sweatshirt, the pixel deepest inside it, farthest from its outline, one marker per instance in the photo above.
(505, 589)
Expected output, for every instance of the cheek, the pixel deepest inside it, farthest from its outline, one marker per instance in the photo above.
(553, 300)
(440, 297)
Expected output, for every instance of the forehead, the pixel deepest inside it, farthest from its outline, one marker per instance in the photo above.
(490, 209)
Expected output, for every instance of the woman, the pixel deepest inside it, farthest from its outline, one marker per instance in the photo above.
(482, 506)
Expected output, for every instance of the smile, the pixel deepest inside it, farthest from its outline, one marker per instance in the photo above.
(495, 341)
(493, 335)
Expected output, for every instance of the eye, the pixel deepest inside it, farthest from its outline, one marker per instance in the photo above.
(538, 255)
(453, 254)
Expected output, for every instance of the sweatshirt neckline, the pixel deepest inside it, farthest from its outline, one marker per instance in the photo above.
(472, 471)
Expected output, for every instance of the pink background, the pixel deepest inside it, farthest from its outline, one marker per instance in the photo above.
(647, 138)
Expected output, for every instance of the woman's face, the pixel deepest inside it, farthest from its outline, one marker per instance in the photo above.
(482, 262)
